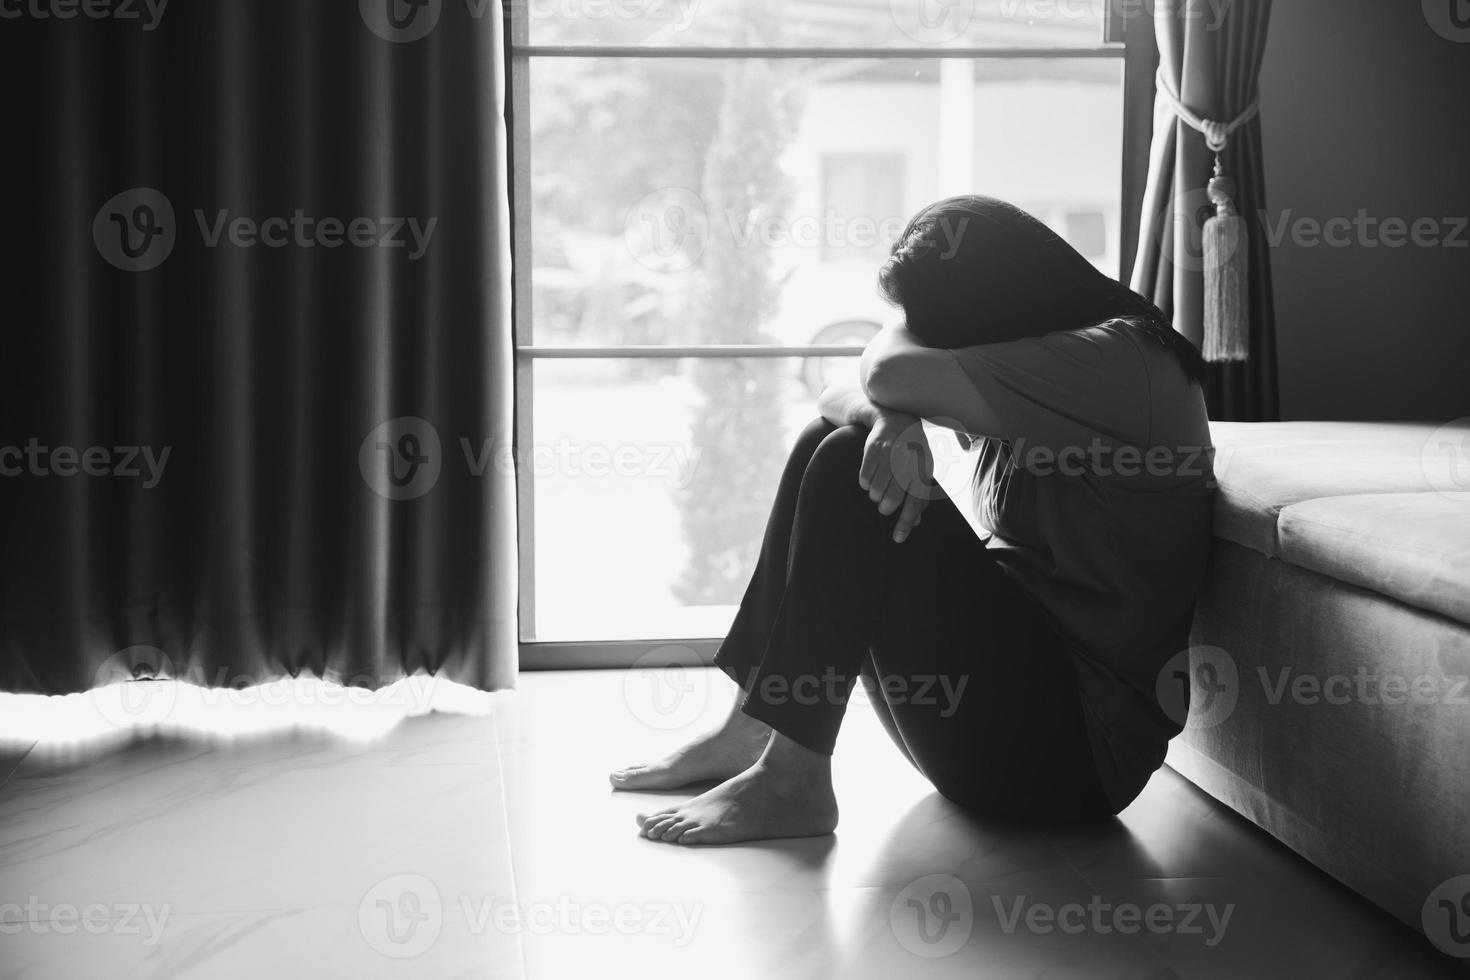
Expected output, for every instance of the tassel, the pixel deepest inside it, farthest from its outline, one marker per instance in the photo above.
(1227, 262)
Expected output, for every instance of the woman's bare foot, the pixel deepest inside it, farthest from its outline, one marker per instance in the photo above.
(730, 749)
(786, 793)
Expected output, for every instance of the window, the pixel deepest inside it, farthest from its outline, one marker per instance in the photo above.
(1088, 232)
(703, 193)
(862, 184)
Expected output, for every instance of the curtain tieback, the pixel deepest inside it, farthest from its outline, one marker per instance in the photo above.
(1225, 246)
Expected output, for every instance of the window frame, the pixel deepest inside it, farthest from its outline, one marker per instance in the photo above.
(1128, 39)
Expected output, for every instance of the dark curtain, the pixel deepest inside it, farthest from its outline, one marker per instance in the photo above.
(1212, 52)
(280, 373)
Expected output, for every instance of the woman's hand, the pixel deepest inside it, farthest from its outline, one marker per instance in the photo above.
(898, 469)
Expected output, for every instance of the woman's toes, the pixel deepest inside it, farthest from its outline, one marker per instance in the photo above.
(620, 777)
(656, 829)
(645, 818)
(694, 835)
(673, 830)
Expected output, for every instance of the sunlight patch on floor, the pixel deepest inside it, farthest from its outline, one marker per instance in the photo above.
(126, 709)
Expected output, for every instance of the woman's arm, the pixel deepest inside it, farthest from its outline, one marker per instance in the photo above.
(899, 372)
(897, 470)
(843, 403)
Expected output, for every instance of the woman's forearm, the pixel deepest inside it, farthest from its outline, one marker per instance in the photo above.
(843, 403)
(890, 344)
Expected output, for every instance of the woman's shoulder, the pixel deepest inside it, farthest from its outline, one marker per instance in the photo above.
(1119, 343)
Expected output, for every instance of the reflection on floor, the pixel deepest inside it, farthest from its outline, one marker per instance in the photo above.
(491, 846)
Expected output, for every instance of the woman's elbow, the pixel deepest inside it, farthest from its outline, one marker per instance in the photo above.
(887, 381)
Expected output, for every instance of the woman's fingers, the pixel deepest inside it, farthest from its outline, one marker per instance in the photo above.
(880, 483)
(874, 456)
(908, 518)
(876, 470)
(892, 496)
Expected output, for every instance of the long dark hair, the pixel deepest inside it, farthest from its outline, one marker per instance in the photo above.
(975, 270)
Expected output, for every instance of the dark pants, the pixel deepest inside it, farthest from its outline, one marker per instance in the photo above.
(969, 676)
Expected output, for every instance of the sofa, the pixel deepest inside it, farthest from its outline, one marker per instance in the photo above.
(1330, 652)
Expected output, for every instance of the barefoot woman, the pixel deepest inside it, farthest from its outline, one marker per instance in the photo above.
(1017, 671)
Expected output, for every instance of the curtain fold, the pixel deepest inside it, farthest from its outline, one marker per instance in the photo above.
(1212, 55)
(257, 335)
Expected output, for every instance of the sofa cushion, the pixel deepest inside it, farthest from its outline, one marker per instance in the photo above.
(1263, 467)
(1413, 547)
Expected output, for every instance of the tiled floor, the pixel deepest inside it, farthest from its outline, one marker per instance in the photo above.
(491, 846)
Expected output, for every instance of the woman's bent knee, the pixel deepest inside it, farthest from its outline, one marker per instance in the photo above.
(834, 465)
